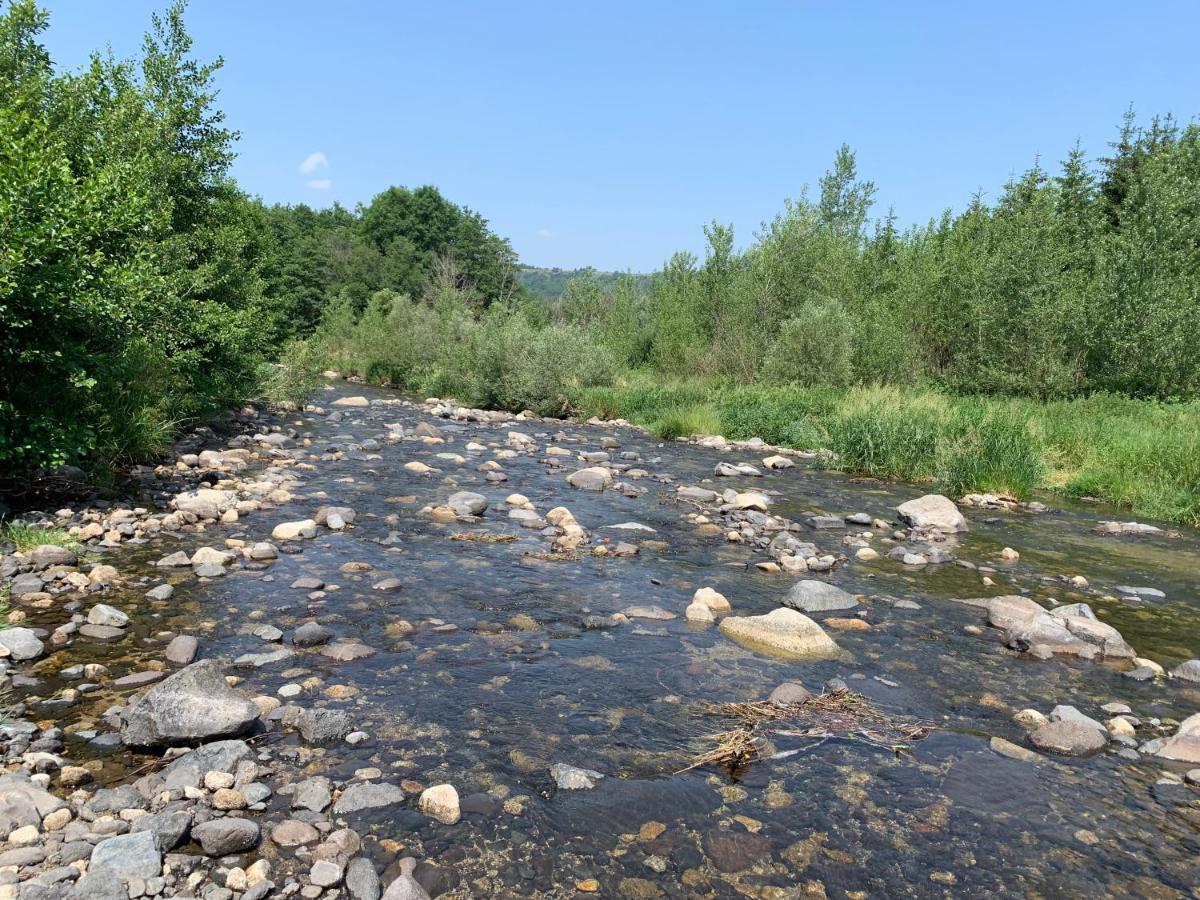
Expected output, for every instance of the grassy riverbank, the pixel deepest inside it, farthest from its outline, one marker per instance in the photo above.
(1141, 454)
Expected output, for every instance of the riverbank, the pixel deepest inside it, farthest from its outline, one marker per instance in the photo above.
(1140, 454)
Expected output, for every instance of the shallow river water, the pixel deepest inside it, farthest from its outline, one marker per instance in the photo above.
(489, 706)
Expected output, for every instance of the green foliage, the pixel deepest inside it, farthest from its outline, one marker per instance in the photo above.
(816, 346)
(24, 536)
(549, 284)
(1136, 453)
(129, 286)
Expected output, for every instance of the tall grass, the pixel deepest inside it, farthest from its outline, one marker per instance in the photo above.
(1144, 455)
(24, 536)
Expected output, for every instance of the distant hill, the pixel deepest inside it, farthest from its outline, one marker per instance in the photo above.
(548, 284)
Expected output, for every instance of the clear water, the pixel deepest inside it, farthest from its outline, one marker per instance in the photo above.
(489, 708)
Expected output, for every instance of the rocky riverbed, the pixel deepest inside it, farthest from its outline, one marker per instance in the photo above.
(398, 649)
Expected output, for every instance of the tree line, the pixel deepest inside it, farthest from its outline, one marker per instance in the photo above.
(1081, 279)
(1076, 280)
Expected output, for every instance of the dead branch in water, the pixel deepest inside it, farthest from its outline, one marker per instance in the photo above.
(838, 714)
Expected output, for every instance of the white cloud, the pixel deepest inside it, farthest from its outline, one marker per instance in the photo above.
(312, 162)
(319, 184)
(545, 233)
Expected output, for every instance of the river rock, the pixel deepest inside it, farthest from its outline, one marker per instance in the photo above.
(932, 511)
(735, 851)
(21, 643)
(406, 887)
(712, 599)
(262, 551)
(189, 770)
(294, 833)
(128, 856)
(181, 650)
(782, 632)
(755, 500)
(23, 803)
(1067, 737)
(1184, 745)
(26, 583)
(162, 592)
(344, 513)
(323, 726)
(357, 401)
(731, 470)
(699, 613)
(103, 614)
(210, 556)
(571, 778)
(313, 794)
(790, 693)
(311, 634)
(362, 881)
(818, 596)
(44, 556)
(702, 495)
(294, 531)
(169, 828)
(195, 704)
(1187, 671)
(440, 802)
(594, 478)
(1067, 629)
(368, 795)
(205, 503)
(467, 503)
(101, 632)
(1065, 713)
(221, 837)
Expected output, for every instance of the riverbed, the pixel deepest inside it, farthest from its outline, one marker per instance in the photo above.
(491, 666)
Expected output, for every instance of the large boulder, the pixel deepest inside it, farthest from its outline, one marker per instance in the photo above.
(1184, 744)
(818, 596)
(783, 633)
(1068, 629)
(194, 705)
(205, 503)
(932, 511)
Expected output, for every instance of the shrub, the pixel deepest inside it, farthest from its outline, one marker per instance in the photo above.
(814, 347)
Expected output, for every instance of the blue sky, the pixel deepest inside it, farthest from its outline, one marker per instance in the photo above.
(606, 134)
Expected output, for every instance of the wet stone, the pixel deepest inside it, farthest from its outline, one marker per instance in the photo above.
(732, 851)
(1067, 737)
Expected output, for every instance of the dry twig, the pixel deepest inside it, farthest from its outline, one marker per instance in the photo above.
(836, 715)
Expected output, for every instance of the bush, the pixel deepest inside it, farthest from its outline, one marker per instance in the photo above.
(814, 347)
